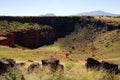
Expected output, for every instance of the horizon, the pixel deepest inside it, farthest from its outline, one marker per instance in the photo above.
(57, 7)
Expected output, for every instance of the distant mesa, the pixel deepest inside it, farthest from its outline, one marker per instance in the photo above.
(96, 13)
(48, 14)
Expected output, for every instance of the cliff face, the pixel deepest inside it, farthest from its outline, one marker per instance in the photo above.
(34, 38)
(30, 38)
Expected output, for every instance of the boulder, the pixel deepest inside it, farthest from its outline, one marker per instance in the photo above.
(92, 63)
(5, 64)
(53, 64)
(52, 61)
(110, 67)
(33, 66)
(107, 66)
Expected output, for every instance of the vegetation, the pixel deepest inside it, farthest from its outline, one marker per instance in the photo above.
(7, 27)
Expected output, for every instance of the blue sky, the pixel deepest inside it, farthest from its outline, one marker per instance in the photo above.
(58, 7)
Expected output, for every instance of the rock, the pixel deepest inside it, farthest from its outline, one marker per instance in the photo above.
(5, 64)
(33, 66)
(52, 61)
(53, 64)
(92, 63)
(110, 67)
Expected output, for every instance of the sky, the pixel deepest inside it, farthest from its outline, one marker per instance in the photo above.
(58, 7)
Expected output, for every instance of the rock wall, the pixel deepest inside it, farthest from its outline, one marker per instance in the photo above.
(30, 38)
(34, 38)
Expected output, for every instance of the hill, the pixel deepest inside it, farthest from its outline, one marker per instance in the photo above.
(96, 13)
(48, 14)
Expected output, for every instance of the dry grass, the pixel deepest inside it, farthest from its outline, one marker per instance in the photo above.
(73, 71)
(108, 19)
